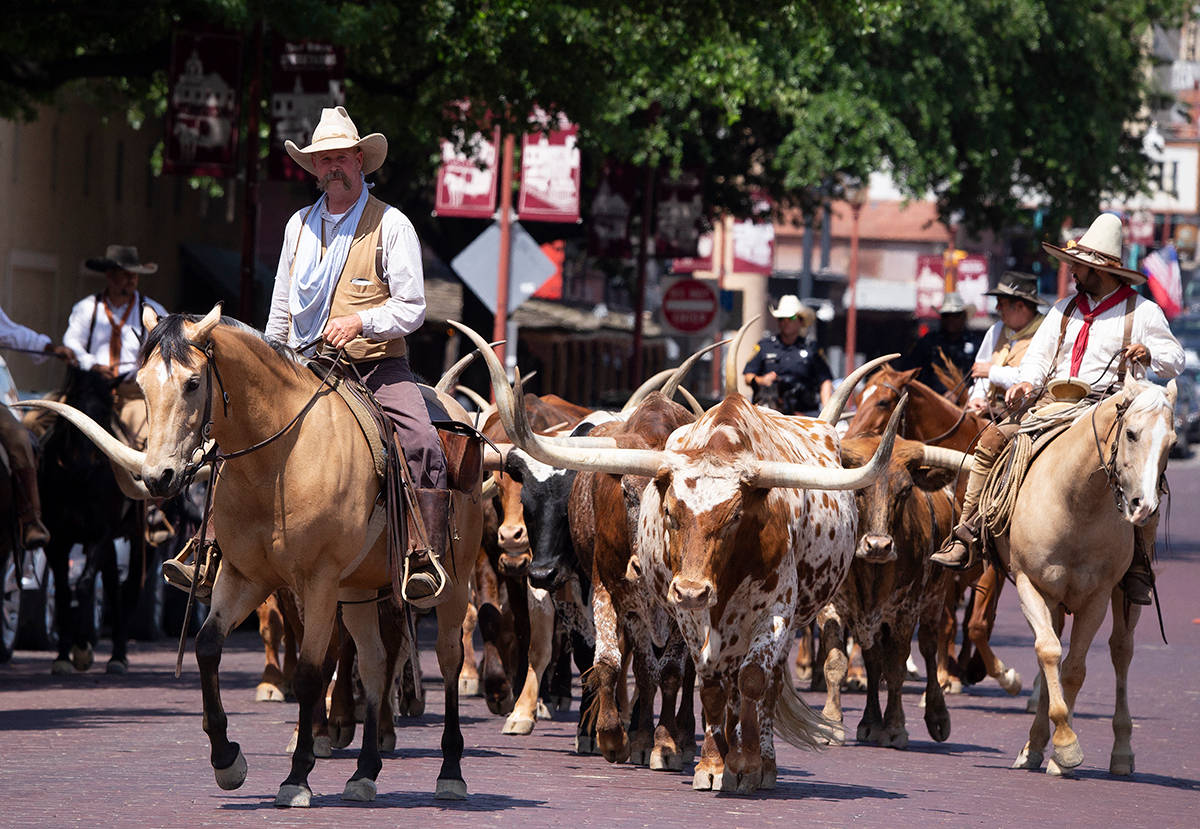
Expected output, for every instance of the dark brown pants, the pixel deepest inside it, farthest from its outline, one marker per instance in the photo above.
(392, 382)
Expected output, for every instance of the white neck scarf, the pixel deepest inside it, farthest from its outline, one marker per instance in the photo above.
(313, 277)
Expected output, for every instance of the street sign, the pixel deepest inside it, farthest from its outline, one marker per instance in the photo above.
(479, 264)
(690, 306)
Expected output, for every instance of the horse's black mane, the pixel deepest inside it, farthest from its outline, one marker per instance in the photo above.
(168, 337)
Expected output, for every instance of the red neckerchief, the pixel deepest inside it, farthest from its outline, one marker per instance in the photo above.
(1089, 316)
(114, 342)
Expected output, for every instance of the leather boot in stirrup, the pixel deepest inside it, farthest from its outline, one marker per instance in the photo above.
(1138, 581)
(958, 551)
(177, 573)
(424, 577)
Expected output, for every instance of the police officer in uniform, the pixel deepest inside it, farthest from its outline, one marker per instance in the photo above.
(786, 373)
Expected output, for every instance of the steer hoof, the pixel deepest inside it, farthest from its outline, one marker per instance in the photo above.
(268, 692)
(706, 780)
(542, 712)
(117, 667)
(1010, 681)
(894, 738)
(234, 775)
(361, 790)
(341, 734)
(1068, 756)
(517, 725)
(1121, 764)
(586, 744)
(1028, 759)
(62, 667)
(293, 797)
(387, 741)
(82, 658)
(664, 759)
(448, 789)
(468, 686)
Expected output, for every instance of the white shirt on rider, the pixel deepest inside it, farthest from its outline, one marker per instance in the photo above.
(15, 335)
(132, 332)
(1104, 340)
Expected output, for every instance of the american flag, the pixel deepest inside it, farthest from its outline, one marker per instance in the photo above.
(1166, 283)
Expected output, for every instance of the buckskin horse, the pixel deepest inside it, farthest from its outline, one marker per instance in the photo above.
(294, 512)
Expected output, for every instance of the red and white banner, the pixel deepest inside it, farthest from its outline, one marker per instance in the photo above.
(702, 261)
(610, 212)
(550, 175)
(203, 105)
(753, 247)
(466, 181)
(306, 78)
(971, 284)
(679, 215)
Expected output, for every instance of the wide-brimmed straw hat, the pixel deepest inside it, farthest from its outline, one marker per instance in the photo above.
(1100, 248)
(1017, 285)
(121, 258)
(337, 132)
(791, 306)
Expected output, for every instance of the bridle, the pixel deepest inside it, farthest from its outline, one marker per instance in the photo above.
(904, 415)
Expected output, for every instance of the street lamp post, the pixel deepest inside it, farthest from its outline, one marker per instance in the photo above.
(855, 194)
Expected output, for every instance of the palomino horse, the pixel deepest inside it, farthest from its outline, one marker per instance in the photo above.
(934, 420)
(293, 512)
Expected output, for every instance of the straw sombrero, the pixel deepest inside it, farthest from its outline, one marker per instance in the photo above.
(1100, 248)
(337, 132)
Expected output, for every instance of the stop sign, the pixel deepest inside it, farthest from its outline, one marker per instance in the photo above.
(690, 306)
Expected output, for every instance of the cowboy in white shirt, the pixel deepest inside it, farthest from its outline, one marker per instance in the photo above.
(1089, 336)
(17, 440)
(997, 364)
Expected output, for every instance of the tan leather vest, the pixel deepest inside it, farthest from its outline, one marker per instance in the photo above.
(361, 284)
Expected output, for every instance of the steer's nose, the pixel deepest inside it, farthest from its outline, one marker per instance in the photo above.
(691, 595)
(876, 549)
(160, 484)
(512, 536)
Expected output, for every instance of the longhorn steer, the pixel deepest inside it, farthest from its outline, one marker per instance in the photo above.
(891, 586)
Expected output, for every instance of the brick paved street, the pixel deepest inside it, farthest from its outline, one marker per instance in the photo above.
(95, 750)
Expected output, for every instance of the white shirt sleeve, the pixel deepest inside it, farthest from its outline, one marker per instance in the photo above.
(1035, 366)
(404, 311)
(15, 335)
(979, 386)
(76, 335)
(279, 318)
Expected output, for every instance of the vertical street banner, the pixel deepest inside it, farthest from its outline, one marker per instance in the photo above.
(679, 215)
(753, 247)
(611, 210)
(466, 179)
(306, 77)
(702, 261)
(205, 77)
(550, 174)
(971, 283)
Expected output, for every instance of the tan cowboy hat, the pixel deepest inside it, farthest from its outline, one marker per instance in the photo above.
(121, 258)
(791, 306)
(1100, 248)
(1017, 285)
(337, 132)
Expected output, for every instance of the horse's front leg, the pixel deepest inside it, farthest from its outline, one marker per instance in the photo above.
(979, 630)
(362, 621)
(1049, 651)
(319, 606)
(234, 598)
(450, 615)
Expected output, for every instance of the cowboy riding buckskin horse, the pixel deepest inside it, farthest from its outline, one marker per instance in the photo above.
(1107, 323)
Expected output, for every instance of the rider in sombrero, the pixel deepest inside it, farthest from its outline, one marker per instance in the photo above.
(1079, 341)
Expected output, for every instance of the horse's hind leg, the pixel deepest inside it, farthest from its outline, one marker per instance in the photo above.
(1120, 646)
(362, 622)
(450, 614)
(979, 629)
(234, 599)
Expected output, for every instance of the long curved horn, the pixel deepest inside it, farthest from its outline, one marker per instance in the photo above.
(833, 409)
(596, 459)
(671, 385)
(731, 372)
(130, 486)
(645, 388)
(944, 458)
(806, 476)
(474, 396)
(128, 457)
(697, 409)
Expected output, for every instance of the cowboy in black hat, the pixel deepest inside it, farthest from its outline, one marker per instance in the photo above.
(950, 338)
(1005, 343)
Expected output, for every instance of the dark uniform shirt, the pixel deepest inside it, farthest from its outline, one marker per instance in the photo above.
(960, 350)
(801, 370)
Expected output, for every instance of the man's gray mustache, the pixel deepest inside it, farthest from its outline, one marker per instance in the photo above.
(329, 177)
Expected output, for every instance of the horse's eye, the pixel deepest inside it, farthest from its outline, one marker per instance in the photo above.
(192, 384)
(1130, 435)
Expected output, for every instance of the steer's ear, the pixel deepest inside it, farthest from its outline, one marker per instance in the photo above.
(932, 478)
(149, 318)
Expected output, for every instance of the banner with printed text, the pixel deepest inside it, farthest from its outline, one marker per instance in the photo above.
(550, 175)
(205, 77)
(466, 180)
(306, 77)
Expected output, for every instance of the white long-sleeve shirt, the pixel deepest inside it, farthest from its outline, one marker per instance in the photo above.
(15, 335)
(132, 332)
(1002, 376)
(1104, 340)
(404, 311)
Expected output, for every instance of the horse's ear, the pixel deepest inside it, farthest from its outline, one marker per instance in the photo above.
(908, 376)
(1172, 392)
(149, 318)
(204, 328)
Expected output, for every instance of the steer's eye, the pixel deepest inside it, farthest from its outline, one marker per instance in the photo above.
(192, 384)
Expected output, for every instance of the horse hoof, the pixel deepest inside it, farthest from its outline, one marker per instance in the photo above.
(117, 667)
(341, 736)
(688, 753)
(468, 686)
(560, 703)
(1121, 765)
(639, 757)
(62, 667)
(82, 658)
(1053, 769)
(387, 741)
(1010, 681)
(938, 725)
(952, 686)
(1031, 705)
(836, 735)
(322, 747)
(293, 797)
(897, 739)
(803, 675)
(542, 711)
(769, 774)
(748, 783)
(1028, 759)
(415, 708)
(517, 725)
(450, 790)
(585, 744)
(1068, 756)
(501, 707)
(268, 692)
(361, 790)
(234, 776)
(663, 759)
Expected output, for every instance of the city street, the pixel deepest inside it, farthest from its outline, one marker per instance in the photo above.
(98, 750)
